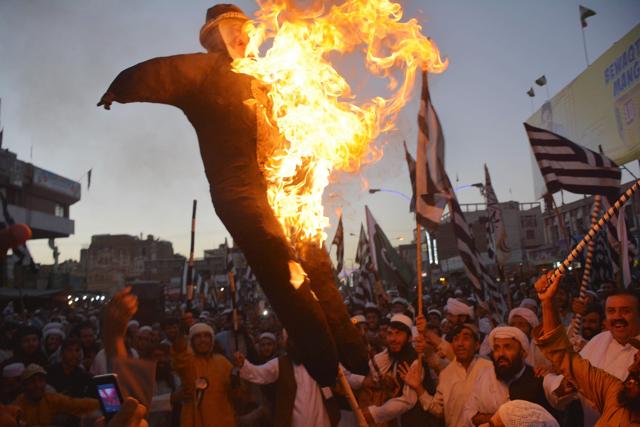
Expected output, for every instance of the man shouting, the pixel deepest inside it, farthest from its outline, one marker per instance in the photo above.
(212, 96)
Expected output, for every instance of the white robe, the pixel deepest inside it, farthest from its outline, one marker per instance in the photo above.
(455, 385)
(308, 405)
(487, 395)
(603, 352)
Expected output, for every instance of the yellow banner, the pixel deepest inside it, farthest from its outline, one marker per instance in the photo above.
(601, 107)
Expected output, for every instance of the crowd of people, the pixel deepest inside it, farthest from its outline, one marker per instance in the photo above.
(456, 365)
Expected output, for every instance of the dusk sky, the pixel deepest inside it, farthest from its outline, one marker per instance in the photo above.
(58, 57)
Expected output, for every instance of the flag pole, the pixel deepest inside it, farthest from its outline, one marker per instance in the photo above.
(624, 197)
(576, 322)
(189, 281)
(353, 402)
(419, 265)
(584, 44)
(234, 308)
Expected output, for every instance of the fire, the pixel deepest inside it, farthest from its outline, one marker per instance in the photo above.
(314, 124)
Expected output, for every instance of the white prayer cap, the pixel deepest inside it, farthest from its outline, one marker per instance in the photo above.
(133, 323)
(436, 312)
(51, 325)
(54, 331)
(199, 328)
(204, 314)
(13, 370)
(526, 314)
(509, 332)
(484, 325)
(403, 319)
(371, 307)
(400, 300)
(457, 307)
(358, 319)
(592, 294)
(269, 336)
(521, 413)
(529, 302)
(145, 328)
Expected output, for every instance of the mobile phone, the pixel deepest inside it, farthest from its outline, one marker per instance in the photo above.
(109, 394)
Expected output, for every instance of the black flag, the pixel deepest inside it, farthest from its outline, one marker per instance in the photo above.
(542, 80)
(585, 13)
(338, 240)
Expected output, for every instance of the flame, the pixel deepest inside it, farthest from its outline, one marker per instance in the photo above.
(314, 126)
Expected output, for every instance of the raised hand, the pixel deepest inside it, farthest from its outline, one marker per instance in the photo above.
(117, 315)
(411, 375)
(547, 285)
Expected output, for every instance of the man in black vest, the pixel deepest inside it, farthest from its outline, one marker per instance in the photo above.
(510, 379)
(213, 97)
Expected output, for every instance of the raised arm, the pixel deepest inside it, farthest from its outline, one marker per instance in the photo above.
(595, 384)
(167, 80)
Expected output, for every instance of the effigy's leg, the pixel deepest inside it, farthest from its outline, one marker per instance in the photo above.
(254, 228)
(351, 345)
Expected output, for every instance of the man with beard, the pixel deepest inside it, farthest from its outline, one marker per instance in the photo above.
(617, 401)
(610, 350)
(526, 320)
(387, 363)
(456, 381)
(592, 321)
(510, 379)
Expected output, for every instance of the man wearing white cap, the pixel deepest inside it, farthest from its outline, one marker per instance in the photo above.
(526, 320)
(205, 377)
(510, 379)
(399, 305)
(52, 337)
(360, 322)
(267, 347)
(10, 387)
(458, 312)
(399, 350)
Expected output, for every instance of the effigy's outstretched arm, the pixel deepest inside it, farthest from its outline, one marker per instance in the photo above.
(166, 80)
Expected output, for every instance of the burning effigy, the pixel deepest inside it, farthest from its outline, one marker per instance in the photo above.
(274, 120)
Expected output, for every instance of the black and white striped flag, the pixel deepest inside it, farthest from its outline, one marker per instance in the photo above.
(338, 240)
(566, 165)
(431, 190)
(622, 251)
(363, 252)
(497, 247)
(483, 283)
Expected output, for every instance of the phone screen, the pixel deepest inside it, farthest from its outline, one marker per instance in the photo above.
(108, 394)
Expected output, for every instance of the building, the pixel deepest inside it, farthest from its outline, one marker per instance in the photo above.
(564, 228)
(111, 261)
(523, 227)
(42, 200)
(37, 197)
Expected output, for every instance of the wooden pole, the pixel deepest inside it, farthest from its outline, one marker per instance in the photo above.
(189, 279)
(353, 402)
(419, 265)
